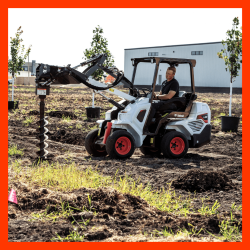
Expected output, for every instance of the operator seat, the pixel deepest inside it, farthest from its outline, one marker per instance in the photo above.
(173, 104)
(179, 104)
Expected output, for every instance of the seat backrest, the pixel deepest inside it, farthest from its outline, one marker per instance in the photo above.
(190, 96)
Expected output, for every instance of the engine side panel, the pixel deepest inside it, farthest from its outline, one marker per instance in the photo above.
(196, 127)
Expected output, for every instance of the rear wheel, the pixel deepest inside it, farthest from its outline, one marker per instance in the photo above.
(174, 145)
(150, 151)
(91, 147)
(120, 144)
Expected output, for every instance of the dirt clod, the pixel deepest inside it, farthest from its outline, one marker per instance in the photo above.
(99, 235)
(60, 114)
(201, 181)
(34, 112)
(81, 216)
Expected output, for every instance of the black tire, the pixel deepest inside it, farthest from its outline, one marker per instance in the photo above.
(150, 151)
(174, 145)
(90, 145)
(123, 141)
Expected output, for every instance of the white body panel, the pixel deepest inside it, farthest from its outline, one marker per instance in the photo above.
(128, 121)
(119, 94)
(110, 90)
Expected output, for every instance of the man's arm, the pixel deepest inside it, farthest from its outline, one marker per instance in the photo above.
(168, 96)
(174, 88)
(155, 96)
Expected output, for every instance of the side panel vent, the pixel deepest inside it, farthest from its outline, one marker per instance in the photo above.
(196, 125)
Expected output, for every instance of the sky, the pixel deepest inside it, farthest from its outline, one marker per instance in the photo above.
(59, 36)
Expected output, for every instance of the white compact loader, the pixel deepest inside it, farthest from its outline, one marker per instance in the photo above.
(125, 127)
(170, 133)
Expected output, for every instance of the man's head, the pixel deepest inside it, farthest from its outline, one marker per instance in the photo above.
(170, 73)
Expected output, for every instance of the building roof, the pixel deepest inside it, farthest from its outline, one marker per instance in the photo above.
(172, 45)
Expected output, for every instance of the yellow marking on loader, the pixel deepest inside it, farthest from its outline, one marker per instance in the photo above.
(152, 140)
(164, 115)
(99, 131)
(112, 90)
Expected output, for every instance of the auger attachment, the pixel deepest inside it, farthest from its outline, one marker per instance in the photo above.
(42, 91)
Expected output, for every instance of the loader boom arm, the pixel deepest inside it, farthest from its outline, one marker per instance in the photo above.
(48, 74)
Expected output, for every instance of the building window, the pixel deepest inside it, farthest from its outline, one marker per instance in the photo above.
(196, 53)
(152, 53)
(25, 68)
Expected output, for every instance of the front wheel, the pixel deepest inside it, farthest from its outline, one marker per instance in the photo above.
(174, 145)
(120, 145)
(91, 147)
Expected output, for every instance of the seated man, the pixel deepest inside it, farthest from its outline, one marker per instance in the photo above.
(169, 89)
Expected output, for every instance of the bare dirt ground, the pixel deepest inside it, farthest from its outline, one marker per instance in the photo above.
(213, 171)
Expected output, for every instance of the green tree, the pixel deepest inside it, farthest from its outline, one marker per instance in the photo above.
(99, 45)
(232, 53)
(18, 53)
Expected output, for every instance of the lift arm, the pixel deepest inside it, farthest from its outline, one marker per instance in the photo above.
(48, 74)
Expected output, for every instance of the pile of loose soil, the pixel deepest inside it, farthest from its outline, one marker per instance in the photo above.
(117, 214)
(60, 114)
(71, 138)
(201, 181)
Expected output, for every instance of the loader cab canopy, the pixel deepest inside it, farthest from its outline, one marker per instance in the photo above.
(183, 104)
(159, 60)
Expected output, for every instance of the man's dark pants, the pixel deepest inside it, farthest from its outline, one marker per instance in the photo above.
(158, 106)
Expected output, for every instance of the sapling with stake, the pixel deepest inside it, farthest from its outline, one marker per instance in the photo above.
(18, 56)
(234, 49)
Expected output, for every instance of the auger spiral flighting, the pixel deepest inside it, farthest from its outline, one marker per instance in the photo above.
(42, 153)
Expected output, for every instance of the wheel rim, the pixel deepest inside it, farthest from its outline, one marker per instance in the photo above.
(177, 145)
(123, 145)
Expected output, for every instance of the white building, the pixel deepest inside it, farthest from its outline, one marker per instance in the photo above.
(29, 69)
(209, 73)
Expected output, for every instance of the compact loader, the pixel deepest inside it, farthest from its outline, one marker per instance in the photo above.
(124, 128)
